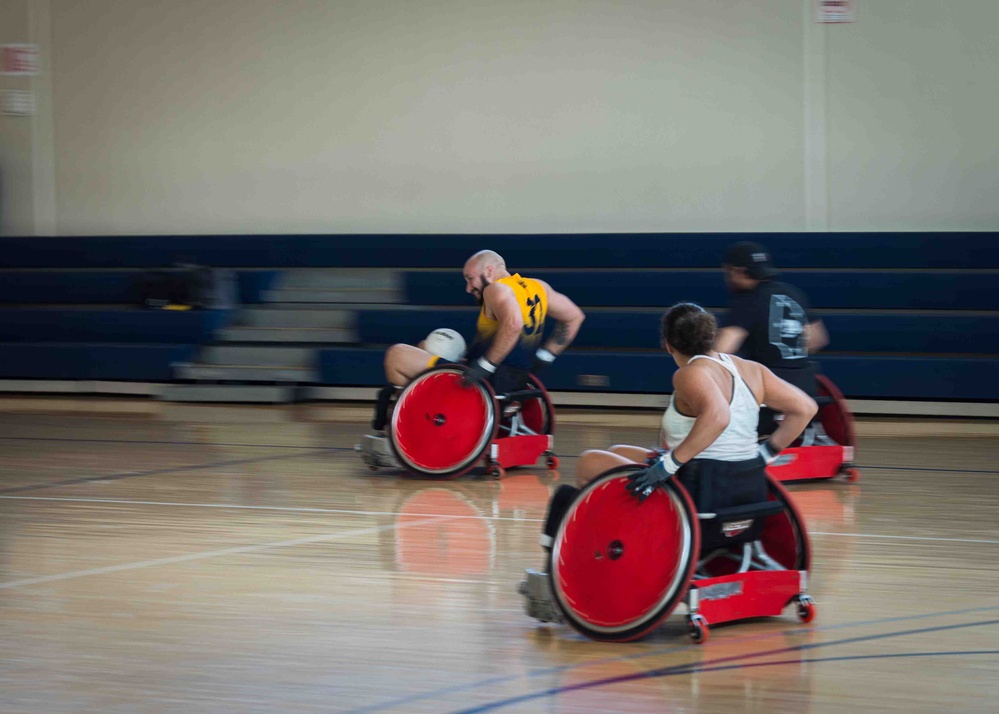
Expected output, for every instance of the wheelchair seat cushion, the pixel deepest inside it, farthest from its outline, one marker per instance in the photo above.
(735, 491)
(715, 485)
(752, 510)
(510, 379)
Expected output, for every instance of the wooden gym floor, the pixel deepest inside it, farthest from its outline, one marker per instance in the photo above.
(172, 558)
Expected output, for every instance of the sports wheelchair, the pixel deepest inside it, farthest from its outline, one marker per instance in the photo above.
(439, 429)
(617, 567)
(827, 447)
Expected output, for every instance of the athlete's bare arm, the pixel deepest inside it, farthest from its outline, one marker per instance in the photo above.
(798, 408)
(816, 336)
(500, 302)
(730, 339)
(568, 318)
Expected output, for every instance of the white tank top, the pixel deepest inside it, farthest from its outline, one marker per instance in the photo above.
(739, 440)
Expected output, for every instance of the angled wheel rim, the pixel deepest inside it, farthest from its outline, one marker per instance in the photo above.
(617, 577)
(440, 428)
(537, 413)
(784, 536)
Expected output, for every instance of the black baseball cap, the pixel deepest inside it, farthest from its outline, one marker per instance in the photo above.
(752, 256)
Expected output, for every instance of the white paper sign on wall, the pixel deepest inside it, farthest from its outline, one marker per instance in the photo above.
(835, 11)
(19, 60)
(17, 102)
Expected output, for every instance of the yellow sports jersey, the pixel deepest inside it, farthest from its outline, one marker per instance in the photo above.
(533, 301)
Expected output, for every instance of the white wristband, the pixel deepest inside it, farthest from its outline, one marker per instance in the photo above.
(487, 365)
(670, 463)
(765, 451)
(544, 355)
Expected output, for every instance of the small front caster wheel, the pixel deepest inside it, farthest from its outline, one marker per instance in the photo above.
(697, 628)
(806, 608)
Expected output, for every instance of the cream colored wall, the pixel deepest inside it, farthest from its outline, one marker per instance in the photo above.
(484, 116)
(913, 114)
(455, 115)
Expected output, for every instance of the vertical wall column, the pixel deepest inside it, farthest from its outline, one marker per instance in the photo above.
(42, 125)
(27, 174)
(815, 172)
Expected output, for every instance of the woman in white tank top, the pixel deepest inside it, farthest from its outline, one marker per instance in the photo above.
(714, 410)
(738, 441)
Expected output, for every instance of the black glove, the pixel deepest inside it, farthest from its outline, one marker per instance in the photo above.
(542, 358)
(642, 483)
(480, 371)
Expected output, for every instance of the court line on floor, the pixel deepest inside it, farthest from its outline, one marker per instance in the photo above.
(738, 639)
(348, 512)
(153, 472)
(169, 443)
(905, 537)
(351, 448)
(710, 665)
(754, 665)
(221, 552)
(928, 469)
(429, 518)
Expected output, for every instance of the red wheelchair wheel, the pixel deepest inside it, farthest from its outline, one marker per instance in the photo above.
(836, 418)
(439, 427)
(784, 537)
(618, 567)
(538, 414)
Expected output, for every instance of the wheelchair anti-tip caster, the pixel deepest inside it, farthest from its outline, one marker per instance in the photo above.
(617, 567)
(697, 628)
(805, 608)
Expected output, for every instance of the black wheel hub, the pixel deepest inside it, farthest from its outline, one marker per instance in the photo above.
(615, 550)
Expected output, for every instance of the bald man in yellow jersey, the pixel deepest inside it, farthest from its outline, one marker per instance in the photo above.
(507, 345)
(508, 331)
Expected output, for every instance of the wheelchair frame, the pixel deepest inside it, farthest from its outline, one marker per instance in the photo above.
(439, 429)
(591, 579)
(828, 445)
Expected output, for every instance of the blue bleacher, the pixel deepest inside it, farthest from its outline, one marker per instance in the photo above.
(86, 324)
(930, 333)
(103, 287)
(135, 362)
(858, 376)
(856, 290)
(911, 316)
(913, 251)
(109, 325)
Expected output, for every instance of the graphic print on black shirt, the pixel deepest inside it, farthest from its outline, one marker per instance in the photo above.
(787, 327)
(774, 316)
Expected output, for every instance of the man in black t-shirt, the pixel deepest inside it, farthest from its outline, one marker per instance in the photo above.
(769, 321)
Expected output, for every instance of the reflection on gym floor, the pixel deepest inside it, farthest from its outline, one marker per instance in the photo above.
(160, 557)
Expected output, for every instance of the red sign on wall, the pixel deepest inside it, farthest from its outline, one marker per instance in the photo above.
(19, 59)
(834, 11)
